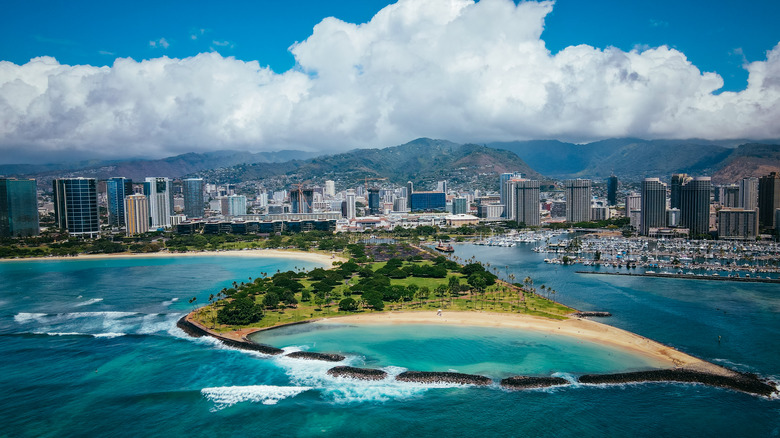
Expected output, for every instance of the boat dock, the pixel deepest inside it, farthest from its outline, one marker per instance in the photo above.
(687, 276)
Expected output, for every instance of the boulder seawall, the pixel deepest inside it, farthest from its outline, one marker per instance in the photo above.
(743, 382)
(195, 330)
(443, 377)
(357, 373)
(528, 382)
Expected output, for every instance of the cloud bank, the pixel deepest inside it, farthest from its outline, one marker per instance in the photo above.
(450, 69)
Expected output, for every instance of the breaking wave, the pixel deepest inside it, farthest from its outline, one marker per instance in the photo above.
(98, 324)
(88, 302)
(226, 396)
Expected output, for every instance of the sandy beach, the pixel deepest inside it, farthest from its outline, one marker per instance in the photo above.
(572, 327)
(325, 259)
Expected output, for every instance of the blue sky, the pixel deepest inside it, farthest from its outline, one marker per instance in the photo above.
(181, 76)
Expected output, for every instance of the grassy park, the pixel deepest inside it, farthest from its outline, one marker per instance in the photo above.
(420, 282)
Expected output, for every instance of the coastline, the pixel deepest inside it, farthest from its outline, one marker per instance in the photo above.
(578, 328)
(259, 253)
(675, 366)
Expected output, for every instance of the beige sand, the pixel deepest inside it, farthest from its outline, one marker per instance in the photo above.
(326, 260)
(573, 327)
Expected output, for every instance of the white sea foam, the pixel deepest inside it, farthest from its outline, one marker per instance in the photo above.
(340, 390)
(169, 302)
(61, 333)
(571, 378)
(108, 335)
(100, 324)
(88, 302)
(24, 318)
(226, 396)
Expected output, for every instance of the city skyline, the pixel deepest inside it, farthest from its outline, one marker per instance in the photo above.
(316, 83)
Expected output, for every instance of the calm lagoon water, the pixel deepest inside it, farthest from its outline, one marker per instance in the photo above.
(90, 348)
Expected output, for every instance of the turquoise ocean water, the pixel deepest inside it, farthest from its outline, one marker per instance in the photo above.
(90, 348)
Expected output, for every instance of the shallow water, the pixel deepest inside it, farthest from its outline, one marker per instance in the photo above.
(91, 348)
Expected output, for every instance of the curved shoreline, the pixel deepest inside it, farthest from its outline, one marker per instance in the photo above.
(259, 253)
(680, 367)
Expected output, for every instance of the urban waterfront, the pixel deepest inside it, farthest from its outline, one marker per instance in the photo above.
(114, 357)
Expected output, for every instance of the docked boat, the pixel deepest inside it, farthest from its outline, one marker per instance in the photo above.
(444, 247)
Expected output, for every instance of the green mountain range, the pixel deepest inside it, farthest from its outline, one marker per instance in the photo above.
(425, 161)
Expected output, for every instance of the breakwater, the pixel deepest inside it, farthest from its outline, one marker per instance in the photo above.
(528, 382)
(443, 377)
(688, 276)
(357, 373)
(591, 314)
(197, 331)
(744, 382)
(310, 355)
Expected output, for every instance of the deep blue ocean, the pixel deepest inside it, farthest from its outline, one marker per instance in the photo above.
(90, 348)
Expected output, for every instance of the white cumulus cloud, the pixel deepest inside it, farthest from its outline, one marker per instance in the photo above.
(450, 69)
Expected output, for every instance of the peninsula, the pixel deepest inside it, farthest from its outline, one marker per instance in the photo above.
(427, 289)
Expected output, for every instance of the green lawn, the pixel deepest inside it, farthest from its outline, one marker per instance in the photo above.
(500, 298)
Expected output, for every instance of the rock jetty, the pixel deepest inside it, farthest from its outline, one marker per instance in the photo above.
(749, 383)
(592, 314)
(197, 332)
(310, 355)
(443, 377)
(528, 382)
(357, 373)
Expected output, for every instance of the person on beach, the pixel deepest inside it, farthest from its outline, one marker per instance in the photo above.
(438, 313)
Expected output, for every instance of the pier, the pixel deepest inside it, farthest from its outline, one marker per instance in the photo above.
(688, 276)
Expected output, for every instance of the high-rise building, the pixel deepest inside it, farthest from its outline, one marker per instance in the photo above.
(76, 206)
(768, 199)
(695, 205)
(504, 191)
(302, 200)
(373, 201)
(737, 224)
(460, 206)
(653, 210)
(136, 209)
(728, 195)
(748, 193)
(678, 179)
(18, 208)
(527, 207)
(578, 196)
(351, 212)
(158, 192)
(116, 190)
(409, 191)
(429, 201)
(194, 206)
(330, 188)
(236, 205)
(612, 186)
(441, 186)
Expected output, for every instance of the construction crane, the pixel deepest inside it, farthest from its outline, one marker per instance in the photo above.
(303, 206)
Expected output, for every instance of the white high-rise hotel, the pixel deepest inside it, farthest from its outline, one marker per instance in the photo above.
(351, 208)
(158, 191)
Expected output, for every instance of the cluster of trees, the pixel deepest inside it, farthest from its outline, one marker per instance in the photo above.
(395, 269)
